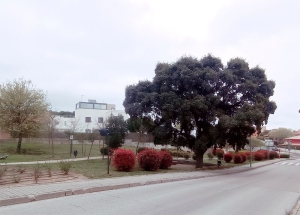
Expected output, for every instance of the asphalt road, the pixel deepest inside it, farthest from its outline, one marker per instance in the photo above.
(268, 190)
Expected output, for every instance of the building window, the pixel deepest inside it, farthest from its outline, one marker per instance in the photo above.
(86, 105)
(88, 119)
(100, 119)
(100, 106)
(88, 131)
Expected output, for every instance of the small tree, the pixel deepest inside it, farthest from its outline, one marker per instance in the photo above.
(255, 142)
(140, 126)
(117, 130)
(50, 125)
(22, 108)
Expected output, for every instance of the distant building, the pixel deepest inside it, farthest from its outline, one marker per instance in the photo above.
(295, 141)
(88, 116)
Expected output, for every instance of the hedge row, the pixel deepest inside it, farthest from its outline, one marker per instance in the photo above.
(148, 159)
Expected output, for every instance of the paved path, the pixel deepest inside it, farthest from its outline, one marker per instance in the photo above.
(52, 161)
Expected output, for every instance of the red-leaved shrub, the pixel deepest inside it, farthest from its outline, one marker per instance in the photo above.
(166, 159)
(273, 155)
(237, 159)
(244, 157)
(258, 156)
(227, 157)
(264, 152)
(123, 160)
(149, 159)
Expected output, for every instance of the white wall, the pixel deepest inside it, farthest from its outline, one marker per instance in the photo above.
(81, 114)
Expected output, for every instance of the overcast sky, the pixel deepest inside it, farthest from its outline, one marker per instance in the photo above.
(78, 50)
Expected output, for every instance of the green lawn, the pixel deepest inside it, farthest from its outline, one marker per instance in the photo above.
(39, 151)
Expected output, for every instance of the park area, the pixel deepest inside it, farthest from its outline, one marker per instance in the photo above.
(59, 168)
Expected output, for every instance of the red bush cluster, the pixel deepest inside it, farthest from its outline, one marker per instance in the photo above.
(217, 151)
(258, 156)
(244, 157)
(227, 157)
(237, 159)
(123, 160)
(166, 159)
(265, 153)
(149, 159)
(273, 155)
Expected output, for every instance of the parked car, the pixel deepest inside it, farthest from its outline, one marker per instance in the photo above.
(275, 149)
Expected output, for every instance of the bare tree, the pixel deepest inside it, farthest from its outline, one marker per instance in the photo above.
(22, 108)
(51, 123)
(280, 134)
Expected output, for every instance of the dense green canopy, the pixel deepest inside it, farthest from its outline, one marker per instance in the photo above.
(201, 103)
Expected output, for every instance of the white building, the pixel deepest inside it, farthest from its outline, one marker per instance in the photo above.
(88, 116)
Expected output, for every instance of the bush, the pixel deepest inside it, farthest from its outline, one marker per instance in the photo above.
(258, 156)
(103, 151)
(186, 156)
(65, 166)
(273, 155)
(166, 159)
(194, 156)
(220, 153)
(123, 160)
(181, 154)
(227, 157)
(210, 155)
(265, 153)
(149, 159)
(141, 149)
(284, 155)
(237, 159)
(244, 157)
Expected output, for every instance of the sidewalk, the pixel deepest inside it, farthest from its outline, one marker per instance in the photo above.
(23, 194)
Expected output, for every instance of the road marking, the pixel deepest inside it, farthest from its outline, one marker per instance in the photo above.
(297, 164)
(282, 163)
(290, 163)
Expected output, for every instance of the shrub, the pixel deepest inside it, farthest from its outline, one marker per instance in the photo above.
(237, 159)
(49, 168)
(65, 166)
(186, 156)
(2, 170)
(166, 159)
(123, 160)
(284, 155)
(181, 154)
(103, 150)
(149, 159)
(220, 153)
(37, 172)
(244, 157)
(258, 156)
(273, 155)
(210, 155)
(194, 156)
(265, 153)
(227, 157)
(141, 149)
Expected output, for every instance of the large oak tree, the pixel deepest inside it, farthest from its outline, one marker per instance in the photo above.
(22, 109)
(202, 103)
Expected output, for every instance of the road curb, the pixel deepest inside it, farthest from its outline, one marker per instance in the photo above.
(68, 192)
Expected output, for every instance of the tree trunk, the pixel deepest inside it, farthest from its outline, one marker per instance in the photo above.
(19, 144)
(52, 147)
(90, 150)
(199, 160)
